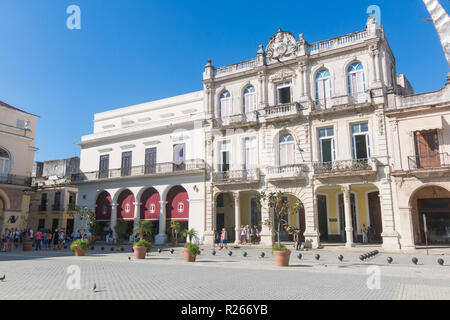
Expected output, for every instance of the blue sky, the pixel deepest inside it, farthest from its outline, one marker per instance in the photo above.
(129, 52)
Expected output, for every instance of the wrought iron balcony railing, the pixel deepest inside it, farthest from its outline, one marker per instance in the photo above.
(237, 176)
(345, 166)
(42, 207)
(429, 161)
(56, 207)
(71, 207)
(282, 111)
(15, 180)
(294, 171)
(157, 169)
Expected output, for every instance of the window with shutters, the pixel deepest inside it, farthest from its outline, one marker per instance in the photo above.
(150, 160)
(224, 153)
(225, 106)
(250, 153)
(356, 83)
(104, 167)
(323, 89)
(427, 149)
(286, 150)
(5, 164)
(250, 103)
(284, 92)
(126, 163)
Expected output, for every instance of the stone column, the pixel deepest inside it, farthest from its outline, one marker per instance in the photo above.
(406, 229)
(113, 218)
(266, 234)
(237, 217)
(348, 217)
(137, 215)
(162, 236)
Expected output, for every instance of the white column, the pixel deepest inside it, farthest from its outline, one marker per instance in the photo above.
(266, 234)
(237, 217)
(162, 236)
(137, 215)
(348, 217)
(113, 218)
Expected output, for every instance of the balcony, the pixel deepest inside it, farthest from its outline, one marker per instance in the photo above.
(42, 207)
(71, 207)
(283, 111)
(343, 168)
(238, 120)
(337, 102)
(429, 165)
(160, 169)
(287, 173)
(16, 180)
(245, 176)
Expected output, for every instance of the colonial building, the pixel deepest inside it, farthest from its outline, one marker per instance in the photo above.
(146, 162)
(53, 202)
(17, 147)
(330, 124)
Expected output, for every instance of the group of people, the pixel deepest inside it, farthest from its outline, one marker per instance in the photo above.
(43, 238)
(249, 235)
(368, 234)
(11, 238)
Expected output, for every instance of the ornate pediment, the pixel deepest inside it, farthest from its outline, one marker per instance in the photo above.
(282, 75)
(281, 46)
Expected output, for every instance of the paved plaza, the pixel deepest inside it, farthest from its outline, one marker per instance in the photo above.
(44, 275)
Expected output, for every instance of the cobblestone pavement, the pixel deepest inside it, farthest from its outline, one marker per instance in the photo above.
(44, 274)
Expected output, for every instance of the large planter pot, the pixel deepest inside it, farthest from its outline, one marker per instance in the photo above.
(27, 245)
(139, 252)
(79, 252)
(282, 258)
(188, 257)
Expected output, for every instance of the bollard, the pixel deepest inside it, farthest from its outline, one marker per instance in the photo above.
(299, 256)
(341, 257)
(389, 260)
(414, 260)
(317, 256)
(441, 261)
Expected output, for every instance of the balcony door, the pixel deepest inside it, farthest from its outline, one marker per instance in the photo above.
(126, 163)
(150, 160)
(104, 167)
(224, 153)
(179, 156)
(427, 149)
(326, 145)
(360, 141)
(250, 153)
(286, 150)
(4, 164)
(284, 92)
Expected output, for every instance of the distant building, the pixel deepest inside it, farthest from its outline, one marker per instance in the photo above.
(17, 147)
(53, 201)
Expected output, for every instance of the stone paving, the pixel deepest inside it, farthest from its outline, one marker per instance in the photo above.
(162, 276)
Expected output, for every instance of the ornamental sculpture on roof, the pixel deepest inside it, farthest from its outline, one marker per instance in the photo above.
(281, 46)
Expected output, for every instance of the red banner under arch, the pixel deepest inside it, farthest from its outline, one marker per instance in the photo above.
(103, 208)
(125, 208)
(150, 207)
(177, 207)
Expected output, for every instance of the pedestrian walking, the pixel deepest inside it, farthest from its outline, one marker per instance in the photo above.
(216, 238)
(224, 239)
(364, 233)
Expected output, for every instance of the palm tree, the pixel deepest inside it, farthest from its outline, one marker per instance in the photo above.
(190, 233)
(144, 228)
(175, 227)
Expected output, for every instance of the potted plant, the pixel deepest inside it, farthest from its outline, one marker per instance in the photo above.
(140, 248)
(144, 228)
(191, 250)
(27, 244)
(79, 247)
(280, 209)
(175, 227)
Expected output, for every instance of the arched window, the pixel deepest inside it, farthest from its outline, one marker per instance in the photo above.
(225, 105)
(250, 103)
(5, 163)
(356, 83)
(286, 150)
(323, 89)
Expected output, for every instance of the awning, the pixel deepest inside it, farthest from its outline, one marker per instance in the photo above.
(424, 124)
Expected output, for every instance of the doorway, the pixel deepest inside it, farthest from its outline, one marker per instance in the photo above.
(375, 215)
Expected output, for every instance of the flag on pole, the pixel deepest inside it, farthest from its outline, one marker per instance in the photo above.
(300, 149)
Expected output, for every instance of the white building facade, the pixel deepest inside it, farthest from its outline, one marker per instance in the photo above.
(313, 121)
(145, 162)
